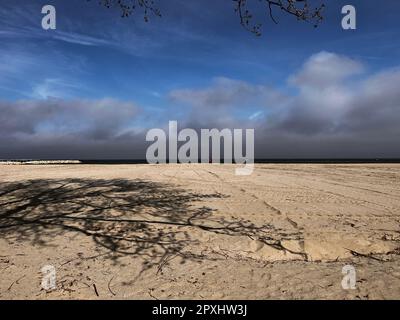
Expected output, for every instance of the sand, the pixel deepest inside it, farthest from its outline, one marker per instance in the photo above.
(199, 231)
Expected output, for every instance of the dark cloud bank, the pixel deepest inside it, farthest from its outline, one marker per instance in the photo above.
(332, 108)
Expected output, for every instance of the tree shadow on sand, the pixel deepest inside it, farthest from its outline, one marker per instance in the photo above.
(153, 221)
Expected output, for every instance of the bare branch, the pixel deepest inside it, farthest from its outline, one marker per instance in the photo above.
(298, 8)
(128, 7)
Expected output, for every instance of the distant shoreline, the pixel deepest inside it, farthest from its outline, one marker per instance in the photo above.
(261, 161)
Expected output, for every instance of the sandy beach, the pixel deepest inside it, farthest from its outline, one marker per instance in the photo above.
(199, 231)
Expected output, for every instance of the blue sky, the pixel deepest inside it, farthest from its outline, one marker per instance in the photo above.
(176, 67)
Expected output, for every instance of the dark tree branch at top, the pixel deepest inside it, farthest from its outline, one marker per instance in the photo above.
(128, 7)
(297, 8)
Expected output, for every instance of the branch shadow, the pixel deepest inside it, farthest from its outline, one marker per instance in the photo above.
(150, 220)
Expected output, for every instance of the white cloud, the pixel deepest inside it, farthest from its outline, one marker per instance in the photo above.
(335, 109)
(325, 69)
